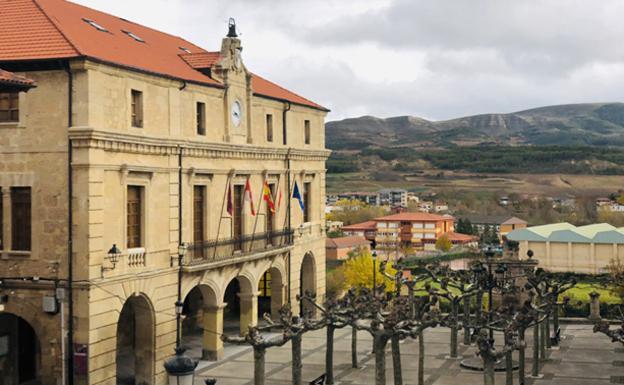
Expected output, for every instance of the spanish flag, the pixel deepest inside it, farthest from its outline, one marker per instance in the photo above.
(266, 195)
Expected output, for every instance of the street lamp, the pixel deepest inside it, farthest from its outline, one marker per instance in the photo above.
(113, 257)
(180, 368)
(182, 247)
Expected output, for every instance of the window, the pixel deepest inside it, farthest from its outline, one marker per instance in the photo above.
(237, 216)
(132, 35)
(306, 126)
(201, 118)
(9, 107)
(269, 127)
(307, 199)
(429, 225)
(199, 216)
(185, 49)
(20, 218)
(264, 286)
(95, 25)
(417, 225)
(135, 216)
(137, 108)
(382, 224)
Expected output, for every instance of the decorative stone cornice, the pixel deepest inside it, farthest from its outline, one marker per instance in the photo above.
(83, 137)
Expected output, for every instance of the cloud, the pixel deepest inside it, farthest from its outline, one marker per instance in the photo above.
(436, 59)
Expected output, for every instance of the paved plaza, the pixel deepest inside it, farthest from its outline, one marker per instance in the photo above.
(584, 358)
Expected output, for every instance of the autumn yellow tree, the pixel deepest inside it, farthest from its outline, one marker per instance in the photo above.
(443, 243)
(358, 272)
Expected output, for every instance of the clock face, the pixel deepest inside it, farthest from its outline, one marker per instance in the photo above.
(237, 113)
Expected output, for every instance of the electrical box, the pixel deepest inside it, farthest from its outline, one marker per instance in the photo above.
(50, 305)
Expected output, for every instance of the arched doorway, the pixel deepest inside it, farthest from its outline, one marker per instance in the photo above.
(231, 313)
(271, 293)
(193, 322)
(135, 342)
(307, 279)
(20, 354)
(241, 310)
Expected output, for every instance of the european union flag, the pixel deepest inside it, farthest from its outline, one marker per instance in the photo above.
(297, 195)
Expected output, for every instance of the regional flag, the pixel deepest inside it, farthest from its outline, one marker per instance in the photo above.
(266, 195)
(249, 197)
(297, 195)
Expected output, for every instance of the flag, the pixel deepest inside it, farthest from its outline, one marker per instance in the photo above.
(297, 196)
(230, 205)
(266, 195)
(249, 197)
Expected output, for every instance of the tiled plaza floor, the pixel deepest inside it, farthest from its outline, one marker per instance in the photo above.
(584, 358)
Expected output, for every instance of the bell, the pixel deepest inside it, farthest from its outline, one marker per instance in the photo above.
(232, 28)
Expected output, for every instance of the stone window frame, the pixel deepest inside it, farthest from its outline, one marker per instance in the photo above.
(6, 182)
(23, 113)
(140, 180)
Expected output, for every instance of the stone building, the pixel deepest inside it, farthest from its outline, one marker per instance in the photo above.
(143, 140)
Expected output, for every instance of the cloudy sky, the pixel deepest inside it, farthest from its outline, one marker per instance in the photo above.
(436, 59)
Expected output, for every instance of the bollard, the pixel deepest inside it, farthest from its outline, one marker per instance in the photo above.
(594, 306)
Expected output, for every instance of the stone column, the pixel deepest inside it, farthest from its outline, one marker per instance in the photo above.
(212, 346)
(278, 299)
(594, 306)
(248, 311)
(6, 219)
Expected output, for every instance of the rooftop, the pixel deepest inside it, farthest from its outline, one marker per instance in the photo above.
(15, 81)
(368, 225)
(565, 232)
(57, 29)
(342, 242)
(415, 217)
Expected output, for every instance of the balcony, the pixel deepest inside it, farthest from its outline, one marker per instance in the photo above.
(227, 249)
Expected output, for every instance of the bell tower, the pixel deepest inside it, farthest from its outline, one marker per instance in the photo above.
(231, 71)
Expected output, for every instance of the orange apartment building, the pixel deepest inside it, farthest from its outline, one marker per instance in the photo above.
(418, 230)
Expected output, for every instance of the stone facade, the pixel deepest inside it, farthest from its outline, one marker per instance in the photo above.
(132, 300)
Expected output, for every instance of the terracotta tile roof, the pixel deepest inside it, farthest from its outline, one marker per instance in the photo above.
(201, 60)
(343, 242)
(514, 221)
(368, 225)
(415, 217)
(57, 29)
(459, 237)
(13, 80)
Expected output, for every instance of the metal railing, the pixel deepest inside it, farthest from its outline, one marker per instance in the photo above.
(226, 248)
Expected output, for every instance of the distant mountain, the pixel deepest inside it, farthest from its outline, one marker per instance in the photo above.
(598, 124)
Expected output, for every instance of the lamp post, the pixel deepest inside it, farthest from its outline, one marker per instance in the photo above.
(374, 273)
(180, 368)
(489, 253)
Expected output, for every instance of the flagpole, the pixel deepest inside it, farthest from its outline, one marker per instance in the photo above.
(225, 197)
(253, 234)
(288, 217)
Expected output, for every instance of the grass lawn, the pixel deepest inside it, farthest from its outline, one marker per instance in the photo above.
(581, 293)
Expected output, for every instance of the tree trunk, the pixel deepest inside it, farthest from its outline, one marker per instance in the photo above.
(508, 363)
(421, 357)
(296, 359)
(543, 337)
(536, 349)
(488, 371)
(466, 321)
(354, 361)
(521, 356)
(479, 310)
(547, 334)
(454, 327)
(380, 359)
(329, 356)
(259, 353)
(396, 361)
(556, 324)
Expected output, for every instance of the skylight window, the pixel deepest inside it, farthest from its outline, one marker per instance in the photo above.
(185, 49)
(95, 25)
(135, 37)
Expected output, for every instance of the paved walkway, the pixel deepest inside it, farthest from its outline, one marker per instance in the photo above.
(584, 358)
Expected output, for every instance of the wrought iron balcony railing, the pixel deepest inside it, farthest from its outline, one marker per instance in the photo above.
(227, 248)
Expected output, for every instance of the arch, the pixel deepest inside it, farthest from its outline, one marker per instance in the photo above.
(307, 278)
(271, 292)
(240, 298)
(22, 363)
(136, 341)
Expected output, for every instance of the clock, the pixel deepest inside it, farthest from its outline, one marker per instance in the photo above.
(237, 113)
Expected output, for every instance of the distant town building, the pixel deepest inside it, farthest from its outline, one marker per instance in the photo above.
(370, 198)
(339, 248)
(412, 198)
(367, 230)
(417, 230)
(333, 225)
(504, 201)
(565, 247)
(502, 224)
(425, 206)
(393, 197)
(440, 207)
